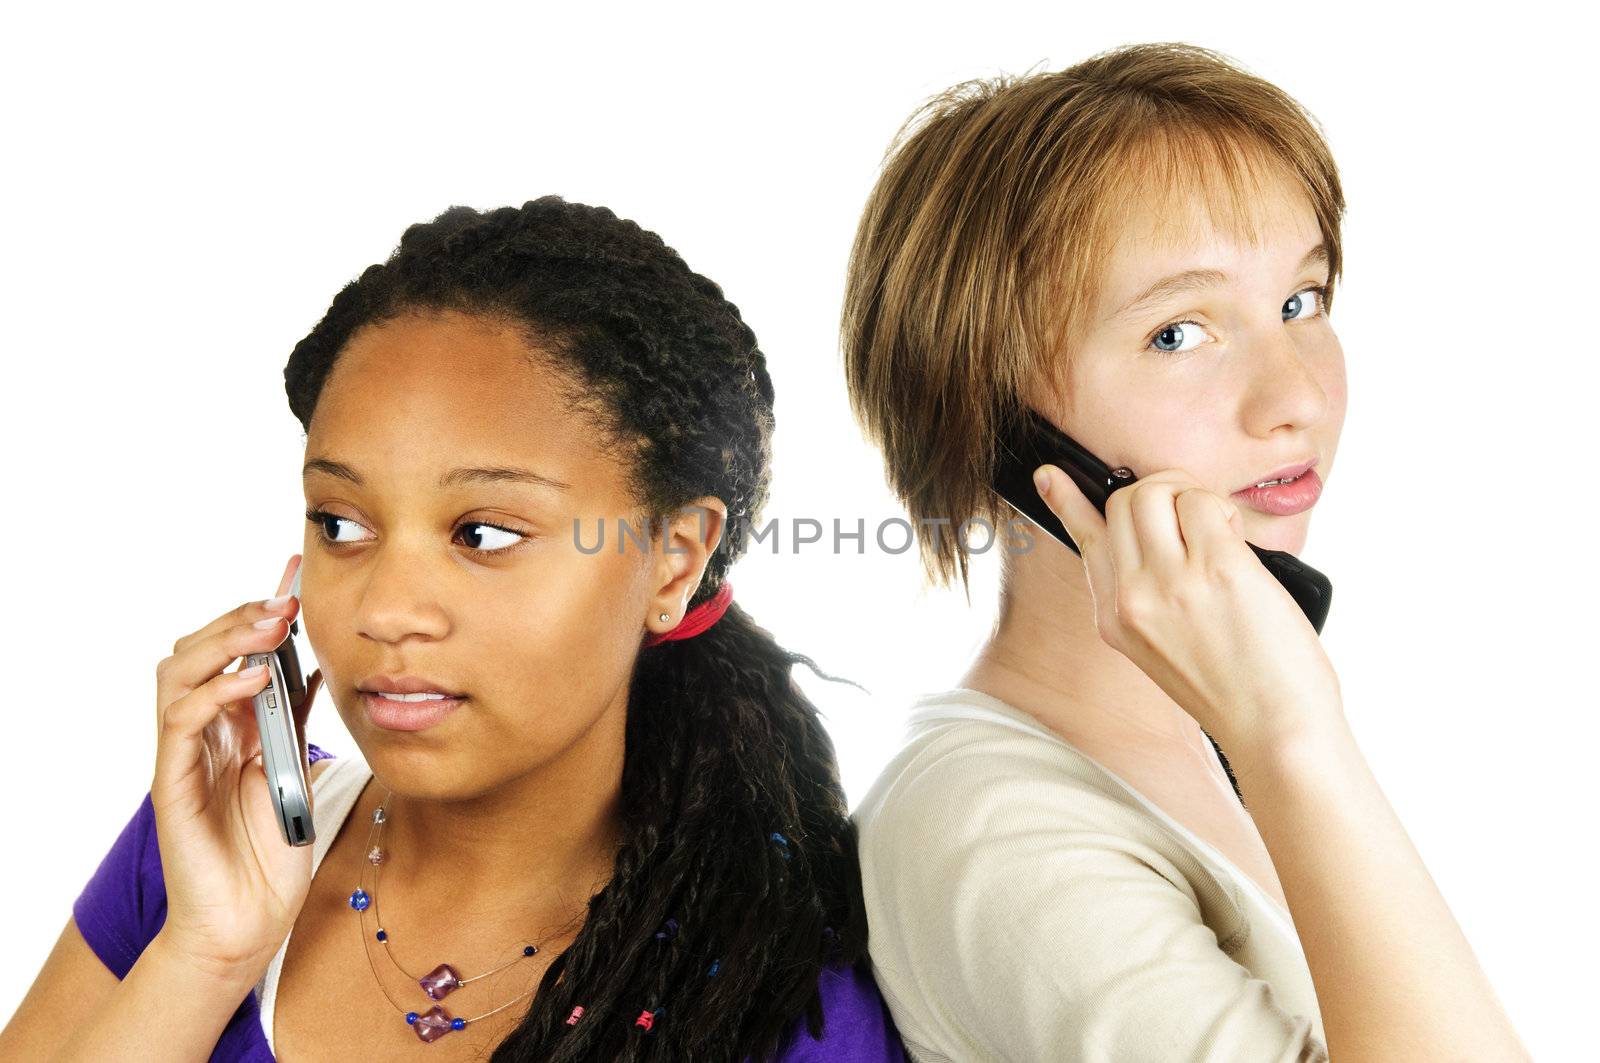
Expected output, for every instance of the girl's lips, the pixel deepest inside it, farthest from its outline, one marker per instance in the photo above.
(1285, 499)
(407, 715)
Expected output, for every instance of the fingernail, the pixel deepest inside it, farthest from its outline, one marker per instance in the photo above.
(1041, 480)
(267, 621)
(277, 603)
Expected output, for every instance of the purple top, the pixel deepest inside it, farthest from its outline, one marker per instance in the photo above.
(124, 904)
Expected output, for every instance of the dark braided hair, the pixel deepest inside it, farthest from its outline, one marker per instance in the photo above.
(737, 878)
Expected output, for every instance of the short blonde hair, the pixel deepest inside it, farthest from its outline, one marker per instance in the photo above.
(977, 251)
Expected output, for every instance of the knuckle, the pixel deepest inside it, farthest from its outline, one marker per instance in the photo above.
(1121, 501)
(1191, 596)
(1220, 573)
(1167, 477)
(1133, 605)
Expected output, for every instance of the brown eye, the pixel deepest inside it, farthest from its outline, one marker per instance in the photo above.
(323, 518)
(490, 543)
(494, 528)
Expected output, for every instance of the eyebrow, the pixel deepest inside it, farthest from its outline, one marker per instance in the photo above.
(476, 474)
(1195, 279)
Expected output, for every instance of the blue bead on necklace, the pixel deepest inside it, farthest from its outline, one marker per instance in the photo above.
(438, 983)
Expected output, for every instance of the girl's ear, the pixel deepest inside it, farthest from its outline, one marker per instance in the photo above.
(688, 539)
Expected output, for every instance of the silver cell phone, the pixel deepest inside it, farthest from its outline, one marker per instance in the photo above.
(281, 761)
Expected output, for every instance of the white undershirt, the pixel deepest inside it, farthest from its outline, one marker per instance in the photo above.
(334, 791)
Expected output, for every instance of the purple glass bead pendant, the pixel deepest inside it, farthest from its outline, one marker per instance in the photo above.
(438, 982)
(433, 1023)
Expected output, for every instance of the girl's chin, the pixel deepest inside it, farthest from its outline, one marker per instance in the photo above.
(1284, 534)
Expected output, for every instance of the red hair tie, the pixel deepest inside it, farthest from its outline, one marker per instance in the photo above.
(699, 618)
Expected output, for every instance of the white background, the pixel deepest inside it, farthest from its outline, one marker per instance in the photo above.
(189, 188)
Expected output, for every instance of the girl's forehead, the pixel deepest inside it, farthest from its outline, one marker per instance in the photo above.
(1179, 204)
(1204, 208)
(1199, 224)
(1163, 233)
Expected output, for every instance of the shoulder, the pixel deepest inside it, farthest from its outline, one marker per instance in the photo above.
(979, 828)
(124, 902)
(856, 1023)
(977, 780)
(320, 761)
(1023, 904)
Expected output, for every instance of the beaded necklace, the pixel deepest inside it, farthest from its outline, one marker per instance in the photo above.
(438, 983)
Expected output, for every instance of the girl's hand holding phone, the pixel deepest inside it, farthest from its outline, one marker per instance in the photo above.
(1178, 591)
(234, 888)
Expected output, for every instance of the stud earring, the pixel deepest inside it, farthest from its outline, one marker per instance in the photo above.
(665, 617)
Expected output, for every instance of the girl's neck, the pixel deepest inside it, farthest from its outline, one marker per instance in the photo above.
(541, 842)
(1047, 658)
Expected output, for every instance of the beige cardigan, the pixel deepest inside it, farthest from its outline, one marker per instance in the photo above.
(1026, 904)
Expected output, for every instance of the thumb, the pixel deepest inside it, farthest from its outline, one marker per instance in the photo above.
(1236, 520)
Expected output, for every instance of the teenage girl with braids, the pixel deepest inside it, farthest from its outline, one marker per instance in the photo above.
(535, 440)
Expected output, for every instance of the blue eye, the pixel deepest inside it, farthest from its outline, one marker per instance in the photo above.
(1176, 327)
(324, 518)
(1321, 293)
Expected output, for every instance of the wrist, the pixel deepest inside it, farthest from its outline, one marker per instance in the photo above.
(227, 976)
(1282, 747)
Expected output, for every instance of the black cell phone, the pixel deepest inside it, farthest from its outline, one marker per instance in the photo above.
(1030, 440)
